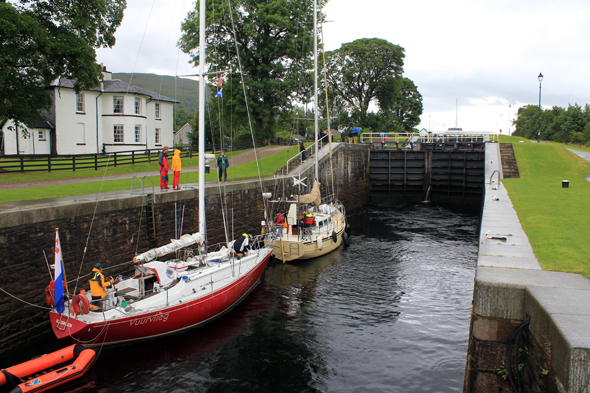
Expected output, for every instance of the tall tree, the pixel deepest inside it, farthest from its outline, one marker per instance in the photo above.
(401, 97)
(44, 39)
(275, 41)
(358, 68)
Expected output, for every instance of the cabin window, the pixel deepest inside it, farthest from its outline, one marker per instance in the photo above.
(118, 133)
(117, 104)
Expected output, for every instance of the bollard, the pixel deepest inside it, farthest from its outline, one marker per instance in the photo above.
(565, 184)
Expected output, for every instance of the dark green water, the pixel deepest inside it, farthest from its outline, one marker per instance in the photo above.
(388, 314)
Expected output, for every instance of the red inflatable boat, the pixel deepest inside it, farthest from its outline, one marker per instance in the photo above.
(48, 371)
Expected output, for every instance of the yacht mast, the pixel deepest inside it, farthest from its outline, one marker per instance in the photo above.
(202, 84)
(315, 84)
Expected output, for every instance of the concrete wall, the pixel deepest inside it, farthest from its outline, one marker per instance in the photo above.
(509, 283)
(119, 229)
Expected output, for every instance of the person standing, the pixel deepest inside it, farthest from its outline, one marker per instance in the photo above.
(280, 222)
(222, 165)
(97, 286)
(163, 165)
(176, 168)
(302, 150)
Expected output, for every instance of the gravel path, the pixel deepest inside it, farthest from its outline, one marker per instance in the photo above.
(239, 159)
(584, 154)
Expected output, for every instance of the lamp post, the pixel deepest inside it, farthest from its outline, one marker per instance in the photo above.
(539, 133)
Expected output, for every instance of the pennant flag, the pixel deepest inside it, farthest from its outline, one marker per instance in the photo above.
(59, 277)
(219, 93)
(220, 82)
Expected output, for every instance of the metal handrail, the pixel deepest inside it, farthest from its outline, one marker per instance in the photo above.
(142, 184)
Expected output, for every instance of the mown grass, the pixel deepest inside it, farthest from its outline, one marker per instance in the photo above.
(555, 219)
(268, 165)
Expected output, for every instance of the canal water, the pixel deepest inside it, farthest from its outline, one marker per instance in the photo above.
(390, 313)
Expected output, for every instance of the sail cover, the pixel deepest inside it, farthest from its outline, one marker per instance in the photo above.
(174, 245)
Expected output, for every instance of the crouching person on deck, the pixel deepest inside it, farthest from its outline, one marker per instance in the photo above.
(242, 245)
(97, 286)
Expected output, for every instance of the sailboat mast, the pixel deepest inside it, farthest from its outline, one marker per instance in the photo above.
(315, 84)
(202, 84)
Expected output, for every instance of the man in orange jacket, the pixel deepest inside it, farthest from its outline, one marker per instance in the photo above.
(97, 286)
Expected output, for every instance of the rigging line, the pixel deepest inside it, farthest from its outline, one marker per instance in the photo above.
(246, 101)
(329, 134)
(92, 221)
(234, 219)
(166, 51)
(24, 301)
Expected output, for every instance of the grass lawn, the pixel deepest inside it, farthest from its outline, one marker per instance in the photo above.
(556, 219)
(268, 165)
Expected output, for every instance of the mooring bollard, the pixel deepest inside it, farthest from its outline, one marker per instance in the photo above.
(565, 184)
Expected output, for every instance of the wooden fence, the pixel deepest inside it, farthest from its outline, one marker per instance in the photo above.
(47, 163)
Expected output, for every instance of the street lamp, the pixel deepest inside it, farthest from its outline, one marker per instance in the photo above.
(539, 133)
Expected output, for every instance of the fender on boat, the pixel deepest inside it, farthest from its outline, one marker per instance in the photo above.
(345, 239)
(334, 236)
(320, 243)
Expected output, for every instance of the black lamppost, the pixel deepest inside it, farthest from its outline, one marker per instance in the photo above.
(539, 133)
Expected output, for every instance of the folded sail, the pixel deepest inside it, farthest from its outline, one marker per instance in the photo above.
(174, 245)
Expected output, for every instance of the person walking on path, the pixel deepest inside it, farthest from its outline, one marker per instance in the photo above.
(222, 165)
(163, 166)
(302, 150)
(176, 168)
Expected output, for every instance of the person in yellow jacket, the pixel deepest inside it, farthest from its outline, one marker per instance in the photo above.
(97, 286)
(176, 168)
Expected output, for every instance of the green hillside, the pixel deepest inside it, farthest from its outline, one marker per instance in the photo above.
(184, 90)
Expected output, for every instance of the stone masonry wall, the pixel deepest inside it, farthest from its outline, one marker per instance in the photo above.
(119, 229)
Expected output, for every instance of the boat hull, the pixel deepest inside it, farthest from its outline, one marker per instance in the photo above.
(162, 322)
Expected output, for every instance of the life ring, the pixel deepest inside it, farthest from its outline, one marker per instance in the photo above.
(345, 239)
(85, 304)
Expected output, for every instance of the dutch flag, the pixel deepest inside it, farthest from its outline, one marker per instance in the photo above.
(59, 277)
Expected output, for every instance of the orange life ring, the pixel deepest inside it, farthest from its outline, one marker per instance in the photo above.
(85, 309)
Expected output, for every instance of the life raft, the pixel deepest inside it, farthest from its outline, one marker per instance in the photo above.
(71, 363)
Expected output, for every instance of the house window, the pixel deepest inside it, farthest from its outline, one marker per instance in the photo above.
(117, 104)
(137, 106)
(137, 133)
(80, 103)
(81, 134)
(42, 135)
(157, 110)
(118, 133)
(157, 135)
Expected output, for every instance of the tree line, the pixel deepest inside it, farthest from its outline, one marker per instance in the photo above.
(565, 125)
(364, 79)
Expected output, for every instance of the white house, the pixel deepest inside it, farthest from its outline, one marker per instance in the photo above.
(112, 117)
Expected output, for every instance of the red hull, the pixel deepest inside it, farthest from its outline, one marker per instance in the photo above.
(162, 322)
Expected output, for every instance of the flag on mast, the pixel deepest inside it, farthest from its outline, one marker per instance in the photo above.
(219, 93)
(59, 277)
(220, 82)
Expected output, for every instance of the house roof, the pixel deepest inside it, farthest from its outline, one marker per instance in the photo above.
(115, 86)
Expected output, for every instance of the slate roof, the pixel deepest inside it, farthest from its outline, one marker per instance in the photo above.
(115, 86)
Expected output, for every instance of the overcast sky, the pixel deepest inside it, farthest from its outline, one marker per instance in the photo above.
(484, 55)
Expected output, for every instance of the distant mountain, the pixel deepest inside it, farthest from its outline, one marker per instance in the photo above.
(184, 90)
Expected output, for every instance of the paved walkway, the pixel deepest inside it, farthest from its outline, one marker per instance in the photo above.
(239, 159)
(584, 154)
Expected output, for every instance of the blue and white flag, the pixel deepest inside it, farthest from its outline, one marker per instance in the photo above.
(219, 93)
(59, 277)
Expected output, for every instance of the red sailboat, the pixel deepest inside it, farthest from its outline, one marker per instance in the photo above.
(162, 298)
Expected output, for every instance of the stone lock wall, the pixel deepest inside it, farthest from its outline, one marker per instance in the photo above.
(119, 229)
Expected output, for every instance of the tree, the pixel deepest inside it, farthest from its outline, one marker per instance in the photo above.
(401, 97)
(275, 43)
(43, 40)
(356, 70)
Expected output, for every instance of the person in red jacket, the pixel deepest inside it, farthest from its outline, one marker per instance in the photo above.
(163, 165)
(280, 222)
(309, 221)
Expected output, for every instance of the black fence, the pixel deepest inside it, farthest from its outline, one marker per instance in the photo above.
(48, 163)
